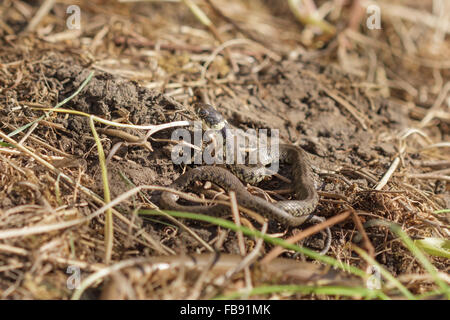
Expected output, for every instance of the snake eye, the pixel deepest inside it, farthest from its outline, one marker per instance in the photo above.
(205, 111)
(200, 110)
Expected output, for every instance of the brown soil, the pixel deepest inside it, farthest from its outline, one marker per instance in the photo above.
(348, 124)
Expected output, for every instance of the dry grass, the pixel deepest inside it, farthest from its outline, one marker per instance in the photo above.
(50, 217)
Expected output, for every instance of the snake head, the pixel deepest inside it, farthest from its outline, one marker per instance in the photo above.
(210, 117)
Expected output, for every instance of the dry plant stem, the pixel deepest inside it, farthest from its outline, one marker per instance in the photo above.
(40, 14)
(30, 131)
(235, 25)
(438, 145)
(439, 100)
(366, 241)
(309, 18)
(91, 279)
(152, 129)
(120, 134)
(245, 262)
(173, 220)
(429, 63)
(27, 231)
(356, 15)
(58, 105)
(420, 277)
(113, 151)
(371, 261)
(196, 290)
(13, 250)
(388, 174)
(109, 226)
(187, 229)
(410, 131)
(14, 165)
(67, 262)
(410, 14)
(275, 252)
(428, 176)
(39, 141)
(301, 272)
(141, 43)
(436, 164)
(203, 18)
(234, 42)
(12, 233)
(252, 256)
(237, 221)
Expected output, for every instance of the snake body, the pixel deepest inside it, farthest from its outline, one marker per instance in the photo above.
(290, 212)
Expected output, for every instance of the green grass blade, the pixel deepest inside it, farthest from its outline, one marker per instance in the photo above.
(255, 233)
(355, 292)
(420, 256)
(385, 273)
(434, 246)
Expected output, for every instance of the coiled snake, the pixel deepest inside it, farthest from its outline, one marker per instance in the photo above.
(290, 212)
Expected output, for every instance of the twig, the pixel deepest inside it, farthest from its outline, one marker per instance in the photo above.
(437, 145)
(366, 241)
(428, 176)
(13, 250)
(388, 174)
(435, 164)
(439, 100)
(275, 252)
(237, 221)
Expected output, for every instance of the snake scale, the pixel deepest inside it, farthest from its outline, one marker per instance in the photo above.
(289, 213)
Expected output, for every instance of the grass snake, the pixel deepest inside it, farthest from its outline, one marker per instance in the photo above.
(289, 212)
